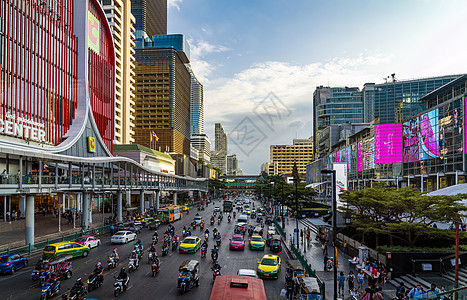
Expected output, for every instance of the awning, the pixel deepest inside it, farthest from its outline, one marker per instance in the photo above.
(316, 184)
(450, 190)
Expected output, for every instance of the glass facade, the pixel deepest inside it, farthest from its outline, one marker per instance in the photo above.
(175, 41)
(150, 15)
(396, 101)
(196, 107)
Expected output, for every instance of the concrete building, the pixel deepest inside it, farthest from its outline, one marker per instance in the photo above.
(219, 160)
(202, 143)
(232, 165)
(285, 155)
(163, 85)
(151, 16)
(151, 159)
(220, 138)
(330, 136)
(121, 21)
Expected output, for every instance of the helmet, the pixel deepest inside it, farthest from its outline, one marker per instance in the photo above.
(115, 249)
(78, 280)
(98, 264)
(122, 270)
(133, 252)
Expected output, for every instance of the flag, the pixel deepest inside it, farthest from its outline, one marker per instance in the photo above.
(150, 137)
(154, 135)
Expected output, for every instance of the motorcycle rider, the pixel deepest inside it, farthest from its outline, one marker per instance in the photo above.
(135, 257)
(99, 272)
(204, 245)
(52, 279)
(115, 255)
(78, 288)
(216, 267)
(234, 214)
(153, 249)
(229, 219)
(124, 277)
(139, 244)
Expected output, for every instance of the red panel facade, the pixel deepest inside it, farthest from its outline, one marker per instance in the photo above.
(102, 78)
(38, 69)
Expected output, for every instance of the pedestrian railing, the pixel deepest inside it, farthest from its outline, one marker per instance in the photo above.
(303, 261)
(28, 249)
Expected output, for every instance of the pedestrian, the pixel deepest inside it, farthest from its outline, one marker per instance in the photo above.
(19, 213)
(290, 239)
(360, 276)
(296, 285)
(400, 291)
(43, 211)
(344, 249)
(287, 220)
(351, 281)
(325, 262)
(308, 237)
(341, 280)
(377, 295)
(301, 234)
(325, 248)
(289, 289)
(372, 281)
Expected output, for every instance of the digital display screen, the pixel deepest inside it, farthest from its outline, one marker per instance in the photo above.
(410, 137)
(388, 143)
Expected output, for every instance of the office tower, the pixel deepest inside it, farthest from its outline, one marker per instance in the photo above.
(162, 93)
(396, 101)
(220, 138)
(232, 165)
(203, 145)
(196, 106)
(285, 155)
(121, 21)
(151, 16)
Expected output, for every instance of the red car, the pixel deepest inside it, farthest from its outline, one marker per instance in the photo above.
(237, 242)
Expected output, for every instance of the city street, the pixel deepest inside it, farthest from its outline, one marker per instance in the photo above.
(142, 284)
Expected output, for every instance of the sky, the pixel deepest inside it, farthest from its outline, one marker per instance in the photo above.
(260, 61)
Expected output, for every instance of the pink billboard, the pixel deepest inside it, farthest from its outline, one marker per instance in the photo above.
(360, 156)
(465, 124)
(388, 143)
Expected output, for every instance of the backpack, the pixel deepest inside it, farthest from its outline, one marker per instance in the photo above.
(367, 296)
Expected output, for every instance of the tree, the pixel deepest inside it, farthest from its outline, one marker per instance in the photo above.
(405, 214)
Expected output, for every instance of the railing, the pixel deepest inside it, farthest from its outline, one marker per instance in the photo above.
(28, 249)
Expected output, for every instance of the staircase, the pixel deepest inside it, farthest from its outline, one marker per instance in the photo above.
(410, 282)
(462, 276)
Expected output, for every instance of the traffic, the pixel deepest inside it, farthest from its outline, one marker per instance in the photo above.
(180, 257)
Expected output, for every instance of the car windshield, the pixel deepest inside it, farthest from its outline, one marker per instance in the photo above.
(120, 233)
(82, 239)
(269, 262)
(237, 239)
(256, 239)
(3, 259)
(197, 218)
(184, 274)
(189, 241)
(49, 248)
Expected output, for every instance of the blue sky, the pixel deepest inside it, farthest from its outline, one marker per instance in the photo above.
(242, 51)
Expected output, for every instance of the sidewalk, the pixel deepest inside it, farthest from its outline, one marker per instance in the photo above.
(315, 257)
(45, 227)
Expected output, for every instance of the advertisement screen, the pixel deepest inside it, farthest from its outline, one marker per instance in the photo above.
(428, 135)
(360, 156)
(93, 33)
(465, 125)
(410, 138)
(388, 143)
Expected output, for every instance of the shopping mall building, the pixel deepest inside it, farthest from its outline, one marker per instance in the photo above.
(57, 114)
(427, 151)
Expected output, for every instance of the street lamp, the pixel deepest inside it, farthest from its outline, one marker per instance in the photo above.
(273, 201)
(334, 223)
(282, 205)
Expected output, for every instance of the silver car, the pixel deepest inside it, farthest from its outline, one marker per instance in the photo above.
(123, 237)
(247, 272)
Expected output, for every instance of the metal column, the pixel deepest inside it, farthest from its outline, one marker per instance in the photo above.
(158, 196)
(86, 217)
(175, 198)
(141, 202)
(29, 220)
(119, 206)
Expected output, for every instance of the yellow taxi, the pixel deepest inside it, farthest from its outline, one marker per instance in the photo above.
(248, 212)
(185, 208)
(70, 248)
(256, 242)
(190, 244)
(269, 266)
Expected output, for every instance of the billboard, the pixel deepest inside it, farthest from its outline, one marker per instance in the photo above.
(388, 143)
(465, 124)
(360, 156)
(410, 138)
(428, 135)
(93, 33)
(341, 180)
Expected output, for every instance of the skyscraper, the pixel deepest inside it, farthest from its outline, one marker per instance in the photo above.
(121, 21)
(396, 101)
(151, 16)
(196, 106)
(162, 93)
(232, 164)
(220, 138)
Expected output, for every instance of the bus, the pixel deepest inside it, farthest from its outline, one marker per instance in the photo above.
(237, 287)
(170, 214)
(228, 205)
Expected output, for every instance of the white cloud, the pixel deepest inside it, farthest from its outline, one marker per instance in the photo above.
(174, 4)
(198, 52)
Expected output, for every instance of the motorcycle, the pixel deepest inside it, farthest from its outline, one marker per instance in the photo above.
(75, 295)
(194, 226)
(119, 286)
(155, 268)
(155, 239)
(112, 263)
(94, 282)
(218, 241)
(174, 245)
(214, 254)
(229, 219)
(203, 251)
(50, 289)
(215, 273)
(212, 222)
(132, 264)
(218, 221)
(165, 250)
(150, 257)
(206, 236)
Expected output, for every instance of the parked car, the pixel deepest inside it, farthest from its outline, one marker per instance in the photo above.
(9, 263)
(123, 237)
(88, 241)
(71, 248)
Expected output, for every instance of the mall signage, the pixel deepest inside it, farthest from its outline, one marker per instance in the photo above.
(19, 127)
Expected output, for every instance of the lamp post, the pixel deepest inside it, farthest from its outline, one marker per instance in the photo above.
(334, 223)
(282, 205)
(296, 179)
(273, 201)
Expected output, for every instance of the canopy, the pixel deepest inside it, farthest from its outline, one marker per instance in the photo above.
(450, 190)
(316, 184)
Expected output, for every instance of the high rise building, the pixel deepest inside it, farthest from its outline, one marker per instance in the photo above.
(285, 155)
(232, 164)
(396, 101)
(202, 143)
(196, 106)
(151, 16)
(162, 93)
(219, 160)
(121, 21)
(220, 138)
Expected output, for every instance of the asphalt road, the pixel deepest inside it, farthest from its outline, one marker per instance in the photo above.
(142, 285)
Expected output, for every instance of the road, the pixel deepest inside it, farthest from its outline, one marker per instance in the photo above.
(142, 285)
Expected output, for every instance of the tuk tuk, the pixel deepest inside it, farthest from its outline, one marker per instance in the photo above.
(241, 228)
(258, 230)
(188, 275)
(259, 217)
(275, 244)
(60, 265)
(295, 269)
(309, 288)
(269, 235)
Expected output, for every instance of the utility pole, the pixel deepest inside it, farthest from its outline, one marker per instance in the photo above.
(334, 224)
(296, 179)
(282, 205)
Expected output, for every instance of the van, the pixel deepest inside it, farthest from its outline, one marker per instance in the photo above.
(242, 219)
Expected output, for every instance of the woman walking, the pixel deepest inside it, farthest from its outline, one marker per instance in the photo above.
(360, 276)
(351, 281)
(341, 280)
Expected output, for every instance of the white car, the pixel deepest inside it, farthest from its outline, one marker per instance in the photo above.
(123, 237)
(217, 209)
(88, 241)
(247, 272)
